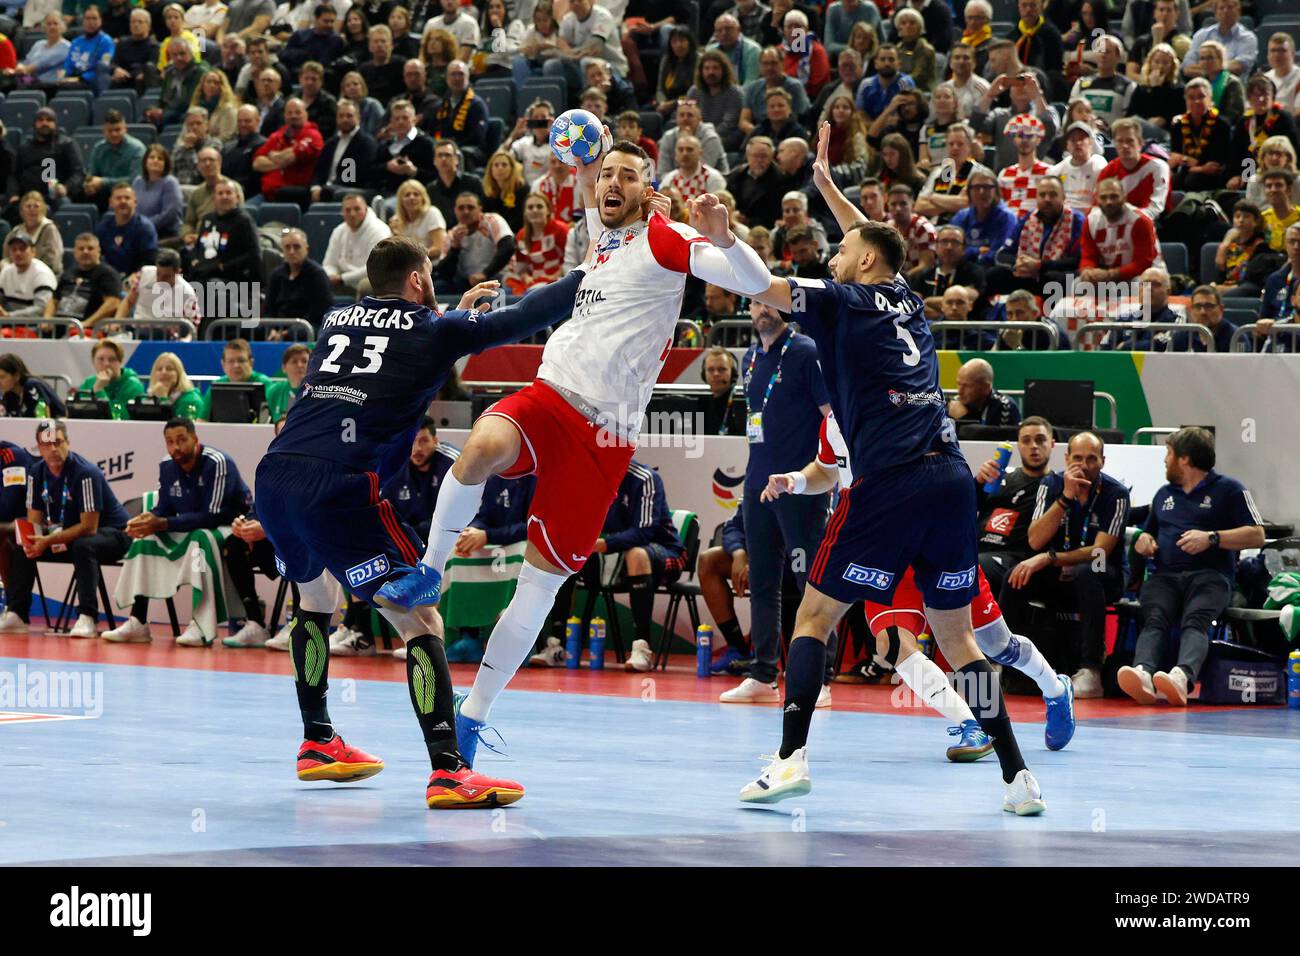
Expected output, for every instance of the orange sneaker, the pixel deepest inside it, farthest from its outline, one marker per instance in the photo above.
(335, 761)
(465, 789)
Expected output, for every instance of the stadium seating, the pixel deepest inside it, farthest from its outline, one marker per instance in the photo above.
(1175, 256)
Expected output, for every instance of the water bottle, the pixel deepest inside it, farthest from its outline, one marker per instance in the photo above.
(596, 644)
(42, 409)
(572, 642)
(1002, 456)
(1293, 680)
(925, 644)
(703, 650)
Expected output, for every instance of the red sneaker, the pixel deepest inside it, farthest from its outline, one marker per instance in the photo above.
(335, 761)
(465, 789)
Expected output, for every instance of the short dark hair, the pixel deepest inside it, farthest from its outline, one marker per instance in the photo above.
(1195, 444)
(293, 350)
(321, 9)
(427, 423)
(885, 240)
(168, 259)
(627, 146)
(1280, 173)
(800, 233)
(1038, 421)
(392, 260)
(45, 424)
(1249, 208)
(113, 117)
(179, 421)
(233, 345)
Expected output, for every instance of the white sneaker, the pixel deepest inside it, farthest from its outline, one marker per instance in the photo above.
(281, 640)
(340, 635)
(357, 645)
(1172, 686)
(192, 637)
(11, 623)
(85, 627)
(553, 656)
(824, 696)
(251, 634)
(1136, 682)
(1024, 797)
(1087, 684)
(751, 691)
(641, 659)
(130, 632)
(780, 779)
(400, 652)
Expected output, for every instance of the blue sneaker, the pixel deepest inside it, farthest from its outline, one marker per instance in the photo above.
(731, 662)
(973, 745)
(422, 585)
(470, 732)
(1060, 717)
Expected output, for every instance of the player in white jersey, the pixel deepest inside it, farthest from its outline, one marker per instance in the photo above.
(576, 426)
(895, 625)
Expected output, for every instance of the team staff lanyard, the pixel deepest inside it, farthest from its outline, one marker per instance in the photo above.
(1087, 517)
(45, 496)
(755, 430)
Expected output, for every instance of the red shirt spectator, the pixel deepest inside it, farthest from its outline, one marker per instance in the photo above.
(539, 256)
(288, 157)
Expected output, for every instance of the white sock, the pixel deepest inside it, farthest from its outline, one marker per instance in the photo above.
(512, 638)
(928, 681)
(456, 508)
(997, 643)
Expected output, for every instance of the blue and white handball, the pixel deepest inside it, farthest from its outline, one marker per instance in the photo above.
(577, 136)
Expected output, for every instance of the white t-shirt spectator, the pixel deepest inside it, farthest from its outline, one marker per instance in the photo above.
(535, 158)
(25, 293)
(480, 245)
(420, 229)
(157, 300)
(578, 33)
(1080, 181)
(464, 28)
(347, 252)
(1288, 88)
(207, 17)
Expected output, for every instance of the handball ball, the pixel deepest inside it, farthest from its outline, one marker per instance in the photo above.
(577, 136)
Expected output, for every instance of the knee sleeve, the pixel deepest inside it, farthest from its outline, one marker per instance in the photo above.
(997, 643)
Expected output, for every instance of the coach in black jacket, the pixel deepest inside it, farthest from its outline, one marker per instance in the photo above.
(406, 153)
(353, 169)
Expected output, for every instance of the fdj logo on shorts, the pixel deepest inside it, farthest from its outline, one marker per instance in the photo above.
(957, 580)
(367, 570)
(869, 577)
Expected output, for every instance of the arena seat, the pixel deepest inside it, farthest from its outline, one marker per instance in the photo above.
(500, 100)
(652, 124)
(285, 212)
(1176, 258)
(685, 589)
(73, 112)
(146, 133)
(124, 101)
(17, 115)
(551, 88)
(318, 225)
(1209, 272)
(72, 224)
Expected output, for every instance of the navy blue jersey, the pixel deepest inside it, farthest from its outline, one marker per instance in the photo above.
(15, 462)
(1105, 510)
(212, 494)
(79, 487)
(879, 363)
(377, 365)
(733, 533)
(504, 512)
(414, 493)
(1218, 503)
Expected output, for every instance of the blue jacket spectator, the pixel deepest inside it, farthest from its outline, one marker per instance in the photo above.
(733, 533)
(15, 462)
(503, 515)
(876, 92)
(985, 235)
(209, 495)
(130, 245)
(90, 55)
(413, 490)
(318, 43)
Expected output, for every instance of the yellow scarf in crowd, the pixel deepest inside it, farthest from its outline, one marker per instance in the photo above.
(982, 35)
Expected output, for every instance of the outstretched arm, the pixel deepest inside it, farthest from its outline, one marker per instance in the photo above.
(728, 263)
(846, 214)
(539, 309)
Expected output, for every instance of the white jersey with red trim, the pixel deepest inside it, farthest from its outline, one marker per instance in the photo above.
(1146, 186)
(624, 319)
(833, 451)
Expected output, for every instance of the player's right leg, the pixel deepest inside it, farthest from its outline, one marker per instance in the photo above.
(493, 446)
(805, 670)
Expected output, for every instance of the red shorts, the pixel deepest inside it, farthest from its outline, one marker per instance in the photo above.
(908, 608)
(578, 468)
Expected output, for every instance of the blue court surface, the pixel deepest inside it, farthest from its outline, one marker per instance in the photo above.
(189, 766)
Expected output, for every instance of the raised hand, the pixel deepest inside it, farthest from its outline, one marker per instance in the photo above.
(822, 164)
(711, 219)
(656, 202)
(488, 288)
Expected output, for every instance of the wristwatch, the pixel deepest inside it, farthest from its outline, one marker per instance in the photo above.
(1063, 501)
(1051, 558)
(1214, 539)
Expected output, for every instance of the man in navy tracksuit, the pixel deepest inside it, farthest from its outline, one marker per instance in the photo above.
(1198, 523)
(78, 518)
(198, 487)
(14, 465)
(414, 489)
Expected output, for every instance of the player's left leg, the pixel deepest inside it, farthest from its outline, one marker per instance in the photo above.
(452, 783)
(323, 754)
(805, 671)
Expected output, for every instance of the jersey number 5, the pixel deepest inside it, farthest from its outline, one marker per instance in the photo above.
(913, 355)
(372, 352)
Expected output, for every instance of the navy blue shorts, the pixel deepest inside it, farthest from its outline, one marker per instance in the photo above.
(920, 515)
(323, 518)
